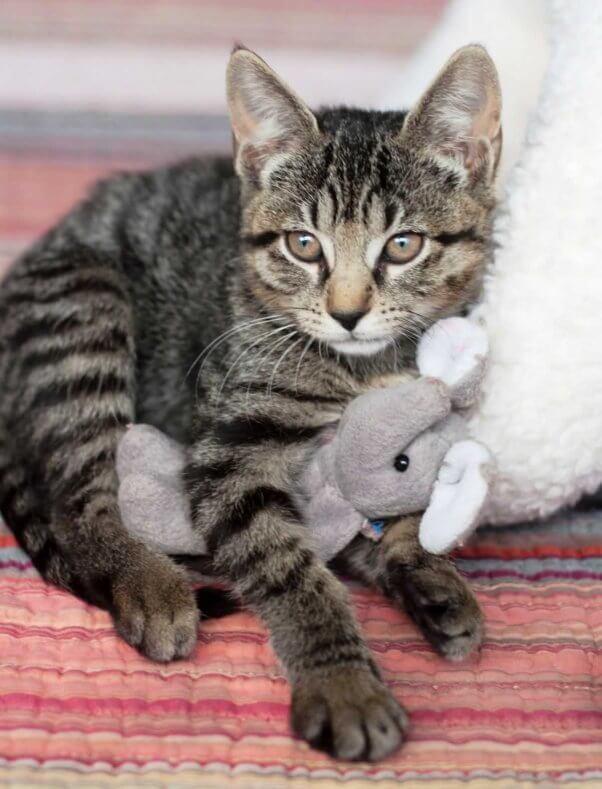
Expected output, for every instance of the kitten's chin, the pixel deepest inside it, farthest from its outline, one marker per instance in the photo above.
(359, 347)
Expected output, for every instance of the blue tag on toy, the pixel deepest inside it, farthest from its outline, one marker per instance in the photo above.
(373, 529)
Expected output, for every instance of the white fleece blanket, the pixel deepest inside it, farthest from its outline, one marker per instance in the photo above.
(541, 411)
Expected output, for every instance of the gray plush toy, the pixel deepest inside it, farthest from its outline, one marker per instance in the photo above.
(396, 451)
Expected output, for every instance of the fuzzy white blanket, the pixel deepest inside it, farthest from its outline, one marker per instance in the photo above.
(541, 412)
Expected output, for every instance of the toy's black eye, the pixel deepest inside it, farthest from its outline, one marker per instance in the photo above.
(401, 462)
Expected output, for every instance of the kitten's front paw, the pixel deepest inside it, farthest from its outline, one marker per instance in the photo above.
(443, 606)
(155, 609)
(349, 713)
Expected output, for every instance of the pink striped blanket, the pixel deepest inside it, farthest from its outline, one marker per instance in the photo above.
(80, 708)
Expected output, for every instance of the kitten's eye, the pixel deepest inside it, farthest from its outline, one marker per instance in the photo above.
(403, 247)
(401, 463)
(304, 246)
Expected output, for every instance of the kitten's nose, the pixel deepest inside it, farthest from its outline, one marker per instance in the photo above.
(349, 320)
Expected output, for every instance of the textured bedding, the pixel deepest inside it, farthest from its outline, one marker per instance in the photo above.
(79, 708)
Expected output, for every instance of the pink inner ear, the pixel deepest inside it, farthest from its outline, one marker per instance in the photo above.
(487, 123)
(477, 152)
(485, 134)
(243, 124)
(255, 156)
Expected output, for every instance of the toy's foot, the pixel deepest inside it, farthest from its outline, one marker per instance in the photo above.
(442, 605)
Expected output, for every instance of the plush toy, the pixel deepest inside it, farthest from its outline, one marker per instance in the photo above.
(396, 451)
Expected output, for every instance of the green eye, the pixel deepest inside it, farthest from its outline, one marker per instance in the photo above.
(403, 247)
(304, 246)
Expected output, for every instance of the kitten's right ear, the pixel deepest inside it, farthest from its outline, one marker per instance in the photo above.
(458, 119)
(267, 118)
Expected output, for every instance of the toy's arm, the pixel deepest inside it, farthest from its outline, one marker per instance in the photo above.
(154, 507)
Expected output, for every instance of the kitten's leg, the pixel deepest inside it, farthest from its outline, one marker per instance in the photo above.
(68, 359)
(241, 506)
(428, 587)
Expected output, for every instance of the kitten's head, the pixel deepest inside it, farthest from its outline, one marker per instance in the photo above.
(364, 227)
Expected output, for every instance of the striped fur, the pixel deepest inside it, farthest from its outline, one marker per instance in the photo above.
(166, 297)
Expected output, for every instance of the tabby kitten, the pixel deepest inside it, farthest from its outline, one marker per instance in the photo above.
(296, 280)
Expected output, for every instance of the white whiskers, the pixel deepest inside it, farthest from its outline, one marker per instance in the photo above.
(220, 338)
(249, 348)
(278, 363)
(303, 352)
(214, 345)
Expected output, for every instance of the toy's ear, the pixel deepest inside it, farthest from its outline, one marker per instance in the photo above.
(454, 350)
(458, 497)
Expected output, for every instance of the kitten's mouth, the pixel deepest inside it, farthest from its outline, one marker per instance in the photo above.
(359, 347)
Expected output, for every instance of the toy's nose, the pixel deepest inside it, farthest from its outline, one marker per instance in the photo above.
(349, 320)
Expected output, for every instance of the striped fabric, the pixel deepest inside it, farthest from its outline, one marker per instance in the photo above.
(78, 708)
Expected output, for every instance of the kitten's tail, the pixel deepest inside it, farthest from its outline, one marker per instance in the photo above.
(215, 603)
(212, 602)
(22, 508)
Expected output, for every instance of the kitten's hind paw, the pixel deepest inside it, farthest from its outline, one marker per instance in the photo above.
(443, 606)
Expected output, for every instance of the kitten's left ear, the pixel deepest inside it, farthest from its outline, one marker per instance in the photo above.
(267, 118)
(459, 116)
